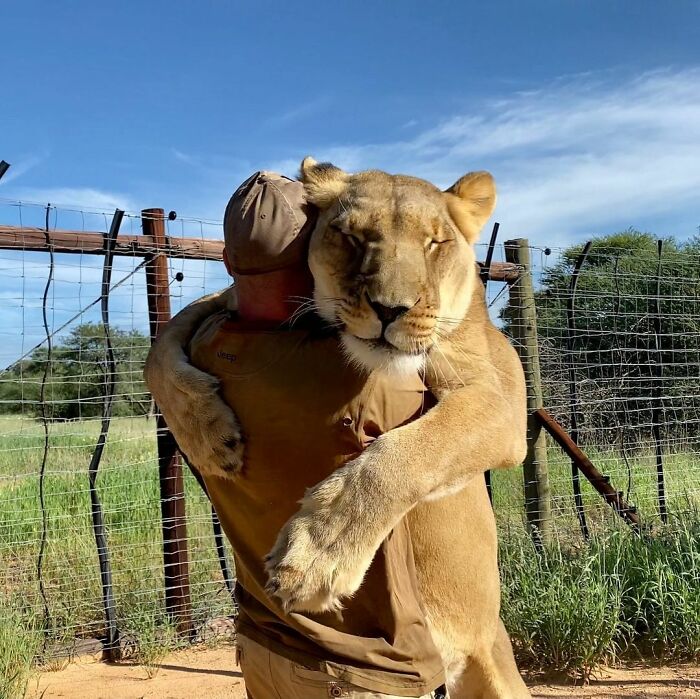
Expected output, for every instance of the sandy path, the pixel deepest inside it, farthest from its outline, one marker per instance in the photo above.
(198, 673)
(212, 674)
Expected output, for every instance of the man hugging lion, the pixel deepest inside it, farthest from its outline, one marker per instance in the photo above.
(357, 372)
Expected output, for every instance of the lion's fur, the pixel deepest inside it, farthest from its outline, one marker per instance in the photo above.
(388, 242)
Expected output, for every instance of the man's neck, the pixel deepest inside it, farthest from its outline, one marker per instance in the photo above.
(261, 313)
(272, 298)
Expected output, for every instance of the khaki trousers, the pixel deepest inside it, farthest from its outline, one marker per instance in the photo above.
(271, 676)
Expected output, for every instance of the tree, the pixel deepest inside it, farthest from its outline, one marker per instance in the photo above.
(627, 373)
(76, 380)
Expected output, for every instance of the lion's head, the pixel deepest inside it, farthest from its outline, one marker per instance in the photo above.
(392, 258)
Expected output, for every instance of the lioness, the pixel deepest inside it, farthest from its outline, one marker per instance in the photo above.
(395, 271)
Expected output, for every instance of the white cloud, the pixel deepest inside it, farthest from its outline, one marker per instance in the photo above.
(577, 156)
(22, 166)
(299, 112)
(582, 155)
(84, 198)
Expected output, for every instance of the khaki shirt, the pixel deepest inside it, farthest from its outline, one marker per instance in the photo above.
(304, 412)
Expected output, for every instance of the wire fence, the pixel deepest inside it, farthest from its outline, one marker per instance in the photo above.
(619, 354)
(619, 358)
(52, 389)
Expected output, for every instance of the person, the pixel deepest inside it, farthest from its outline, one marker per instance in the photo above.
(304, 411)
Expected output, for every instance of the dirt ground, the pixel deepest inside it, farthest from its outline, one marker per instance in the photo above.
(212, 674)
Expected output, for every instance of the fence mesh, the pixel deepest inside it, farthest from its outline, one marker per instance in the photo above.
(622, 361)
(620, 370)
(51, 397)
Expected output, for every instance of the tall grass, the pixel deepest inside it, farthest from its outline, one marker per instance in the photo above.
(128, 487)
(19, 643)
(572, 608)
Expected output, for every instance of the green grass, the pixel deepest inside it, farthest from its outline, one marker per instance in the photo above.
(128, 486)
(682, 477)
(572, 607)
(621, 595)
(19, 643)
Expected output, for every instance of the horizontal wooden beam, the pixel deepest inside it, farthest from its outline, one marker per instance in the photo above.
(503, 272)
(92, 243)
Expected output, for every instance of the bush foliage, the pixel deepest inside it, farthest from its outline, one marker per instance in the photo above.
(77, 373)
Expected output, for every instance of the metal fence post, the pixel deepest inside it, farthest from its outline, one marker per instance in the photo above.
(172, 495)
(538, 506)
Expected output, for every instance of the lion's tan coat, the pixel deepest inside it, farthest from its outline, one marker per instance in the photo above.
(416, 249)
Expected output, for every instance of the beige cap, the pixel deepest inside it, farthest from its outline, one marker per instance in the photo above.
(265, 224)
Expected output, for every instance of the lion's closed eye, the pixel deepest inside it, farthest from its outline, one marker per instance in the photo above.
(434, 243)
(348, 235)
(352, 240)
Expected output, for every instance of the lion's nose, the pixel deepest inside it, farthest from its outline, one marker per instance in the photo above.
(387, 314)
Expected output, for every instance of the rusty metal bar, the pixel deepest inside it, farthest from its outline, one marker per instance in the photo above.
(98, 521)
(485, 268)
(91, 243)
(601, 483)
(486, 264)
(172, 492)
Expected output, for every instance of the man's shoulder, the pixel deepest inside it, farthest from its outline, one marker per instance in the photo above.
(226, 345)
(209, 328)
(229, 343)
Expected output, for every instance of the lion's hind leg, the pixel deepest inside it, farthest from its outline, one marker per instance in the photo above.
(490, 675)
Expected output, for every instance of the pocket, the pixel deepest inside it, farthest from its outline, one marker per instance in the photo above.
(313, 678)
(239, 651)
(330, 686)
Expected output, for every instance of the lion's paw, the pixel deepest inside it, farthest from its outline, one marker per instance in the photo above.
(206, 430)
(215, 446)
(321, 555)
(311, 578)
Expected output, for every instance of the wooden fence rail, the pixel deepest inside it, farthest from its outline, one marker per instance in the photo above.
(92, 243)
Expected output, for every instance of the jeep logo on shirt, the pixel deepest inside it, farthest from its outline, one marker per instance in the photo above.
(226, 355)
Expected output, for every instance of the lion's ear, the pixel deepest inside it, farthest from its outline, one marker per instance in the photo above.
(470, 201)
(324, 183)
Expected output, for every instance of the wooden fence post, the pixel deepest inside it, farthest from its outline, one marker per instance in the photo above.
(538, 506)
(172, 495)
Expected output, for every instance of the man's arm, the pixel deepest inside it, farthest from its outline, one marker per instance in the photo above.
(204, 426)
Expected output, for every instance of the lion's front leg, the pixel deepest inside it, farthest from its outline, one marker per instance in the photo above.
(204, 426)
(323, 552)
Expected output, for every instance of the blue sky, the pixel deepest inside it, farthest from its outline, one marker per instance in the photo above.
(586, 112)
(173, 103)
